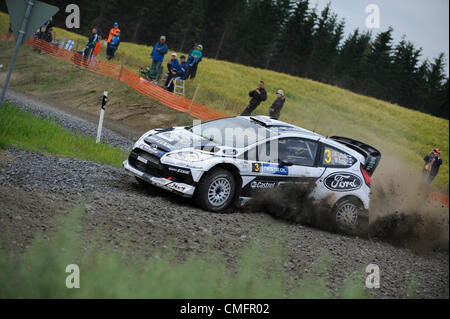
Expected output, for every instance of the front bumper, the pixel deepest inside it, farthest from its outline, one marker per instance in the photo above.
(182, 189)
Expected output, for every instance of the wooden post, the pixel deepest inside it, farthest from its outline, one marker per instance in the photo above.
(121, 68)
(193, 98)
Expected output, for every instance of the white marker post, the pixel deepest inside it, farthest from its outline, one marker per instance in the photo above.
(102, 115)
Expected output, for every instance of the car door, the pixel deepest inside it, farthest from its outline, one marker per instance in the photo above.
(281, 161)
(300, 156)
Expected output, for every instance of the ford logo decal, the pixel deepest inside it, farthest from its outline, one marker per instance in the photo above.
(343, 182)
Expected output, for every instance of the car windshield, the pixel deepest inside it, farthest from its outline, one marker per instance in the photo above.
(233, 131)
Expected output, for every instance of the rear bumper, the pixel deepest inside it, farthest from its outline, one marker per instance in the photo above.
(182, 189)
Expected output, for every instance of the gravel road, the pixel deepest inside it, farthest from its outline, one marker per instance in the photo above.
(35, 187)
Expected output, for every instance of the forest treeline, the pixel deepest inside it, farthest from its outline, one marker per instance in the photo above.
(287, 36)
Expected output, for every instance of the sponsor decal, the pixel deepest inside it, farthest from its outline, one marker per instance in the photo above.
(178, 170)
(177, 187)
(262, 185)
(275, 169)
(155, 139)
(343, 182)
(160, 181)
(170, 137)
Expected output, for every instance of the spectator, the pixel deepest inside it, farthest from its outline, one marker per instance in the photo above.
(197, 55)
(158, 52)
(258, 95)
(181, 74)
(49, 24)
(174, 72)
(173, 64)
(97, 49)
(432, 164)
(275, 109)
(48, 35)
(90, 46)
(112, 46)
(112, 33)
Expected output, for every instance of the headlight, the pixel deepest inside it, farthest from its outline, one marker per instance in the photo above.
(188, 156)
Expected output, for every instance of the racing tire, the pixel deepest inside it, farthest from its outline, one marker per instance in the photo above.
(350, 217)
(216, 190)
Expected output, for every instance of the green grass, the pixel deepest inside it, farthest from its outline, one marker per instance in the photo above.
(22, 130)
(408, 135)
(39, 272)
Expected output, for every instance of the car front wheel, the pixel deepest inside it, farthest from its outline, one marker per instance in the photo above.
(350, 216)
(216, 190)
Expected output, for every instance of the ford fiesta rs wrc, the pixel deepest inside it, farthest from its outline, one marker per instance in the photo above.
(228, 161)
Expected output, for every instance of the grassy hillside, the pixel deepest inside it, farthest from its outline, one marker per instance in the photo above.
(405, 134)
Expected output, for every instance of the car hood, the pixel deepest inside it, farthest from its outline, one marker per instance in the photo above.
(178, 138)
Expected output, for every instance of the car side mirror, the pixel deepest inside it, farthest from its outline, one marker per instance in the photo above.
(283, 163)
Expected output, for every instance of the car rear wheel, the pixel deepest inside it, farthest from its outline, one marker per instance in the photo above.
(350, 216)
(216, 190)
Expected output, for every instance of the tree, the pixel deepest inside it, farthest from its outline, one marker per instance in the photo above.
(326, 39)
(376, 66)
(350, 59)
(404, 72)
(295, 44)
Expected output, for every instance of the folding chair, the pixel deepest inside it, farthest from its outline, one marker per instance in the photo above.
(178, 86)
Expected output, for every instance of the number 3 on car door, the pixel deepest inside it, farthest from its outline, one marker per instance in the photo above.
(256, 167)
(327, 157)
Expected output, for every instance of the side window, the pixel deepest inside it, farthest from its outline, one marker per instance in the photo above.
(298, 151)
(331, 157)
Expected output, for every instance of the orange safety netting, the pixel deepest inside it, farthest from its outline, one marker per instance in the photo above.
(440, 198)
(132, 79)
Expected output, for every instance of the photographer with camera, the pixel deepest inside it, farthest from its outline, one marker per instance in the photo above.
(432, 164)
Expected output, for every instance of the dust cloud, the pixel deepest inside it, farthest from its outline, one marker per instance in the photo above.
(400, 211)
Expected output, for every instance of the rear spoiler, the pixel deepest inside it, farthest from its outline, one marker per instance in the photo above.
(371, 154)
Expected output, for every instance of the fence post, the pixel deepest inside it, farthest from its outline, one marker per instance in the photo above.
(102, 115)
(193, 98)
(121, 69)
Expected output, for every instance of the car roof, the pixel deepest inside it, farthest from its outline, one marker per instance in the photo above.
(290, 129)
(283, 127)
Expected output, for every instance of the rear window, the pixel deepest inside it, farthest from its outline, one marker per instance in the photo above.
(332, 157)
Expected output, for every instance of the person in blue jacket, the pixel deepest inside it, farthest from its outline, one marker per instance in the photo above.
(181, 74)
(173, 64)
(158, 52)
(112, 46)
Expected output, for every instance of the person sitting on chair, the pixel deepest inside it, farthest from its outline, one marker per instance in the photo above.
(181, 74)
(173, 64)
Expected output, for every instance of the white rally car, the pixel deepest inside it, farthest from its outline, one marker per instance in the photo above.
(228, 161)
